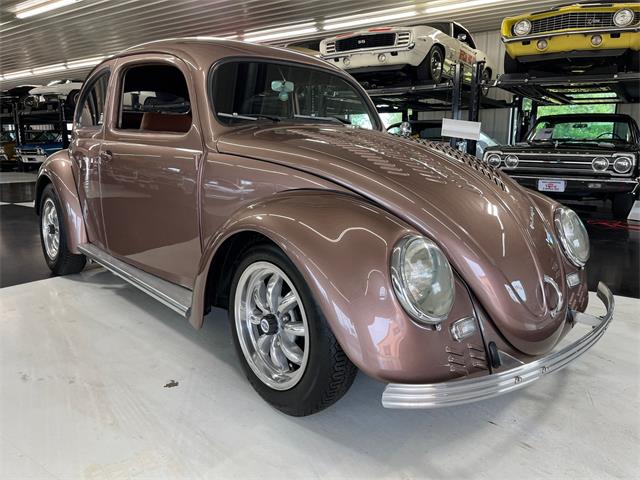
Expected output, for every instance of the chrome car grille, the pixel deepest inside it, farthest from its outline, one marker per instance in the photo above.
(554, 164)
(365, 42)
(576, 20)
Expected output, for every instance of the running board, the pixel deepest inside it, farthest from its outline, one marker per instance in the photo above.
(173, 296)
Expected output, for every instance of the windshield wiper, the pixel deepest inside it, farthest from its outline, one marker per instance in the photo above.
(330, 118)
(250, 116)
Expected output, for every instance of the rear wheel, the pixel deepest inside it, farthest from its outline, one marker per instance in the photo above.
(53, 236)
(432, 67)
(287, 350)
(622, 205)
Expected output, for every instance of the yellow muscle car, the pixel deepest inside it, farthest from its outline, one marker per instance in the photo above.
(575, 38)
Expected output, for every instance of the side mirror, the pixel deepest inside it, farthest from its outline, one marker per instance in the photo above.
(462, 37)
(405, 129)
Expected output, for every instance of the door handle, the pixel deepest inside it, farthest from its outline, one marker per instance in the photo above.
(106, 156)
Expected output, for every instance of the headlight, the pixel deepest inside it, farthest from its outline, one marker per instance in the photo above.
(523, 27)
(573, 236)
(40, 151)
(622, 165)
(511, 161)
(623, 18)
(600, 164)
(422, 279)
(494, 159)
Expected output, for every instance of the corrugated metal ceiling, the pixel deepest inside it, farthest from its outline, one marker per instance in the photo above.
(90, 28)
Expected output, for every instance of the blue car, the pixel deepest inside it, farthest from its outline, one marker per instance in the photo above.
(37, 147)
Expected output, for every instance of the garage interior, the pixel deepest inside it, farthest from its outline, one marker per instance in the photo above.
(99, 381)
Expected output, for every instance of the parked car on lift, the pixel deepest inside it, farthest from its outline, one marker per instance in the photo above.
(65, 89)
(575, 38)
(333, 247)
(36, 147)
(432, 130)
(577, 156)
(421, 52)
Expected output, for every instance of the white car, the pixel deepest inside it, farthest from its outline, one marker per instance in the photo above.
(58, 89)
(422, 52)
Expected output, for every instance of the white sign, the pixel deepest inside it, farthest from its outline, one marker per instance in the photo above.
(460, 129)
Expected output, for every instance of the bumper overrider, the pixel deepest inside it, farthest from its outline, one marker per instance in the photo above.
(458, 392)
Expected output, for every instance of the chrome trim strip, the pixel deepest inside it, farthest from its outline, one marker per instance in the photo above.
(173, 296)
(578, 179)
(571, 32)
(458, 392)
(348, 53)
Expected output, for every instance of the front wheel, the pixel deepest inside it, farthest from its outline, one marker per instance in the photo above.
(53, 236)
(287, 350)
(432, 67)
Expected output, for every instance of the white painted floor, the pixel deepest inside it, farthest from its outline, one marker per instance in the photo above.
(84, 361)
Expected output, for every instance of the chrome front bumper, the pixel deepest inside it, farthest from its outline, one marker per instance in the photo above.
(457, 392)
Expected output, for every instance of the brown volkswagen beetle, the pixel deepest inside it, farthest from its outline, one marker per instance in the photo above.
(220, 173)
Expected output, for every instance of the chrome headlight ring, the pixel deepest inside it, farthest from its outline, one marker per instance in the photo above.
(523, 27)
(573, 236)
(422, 279)
(623, 17)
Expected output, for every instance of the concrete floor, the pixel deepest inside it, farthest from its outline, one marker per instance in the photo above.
(85, 362)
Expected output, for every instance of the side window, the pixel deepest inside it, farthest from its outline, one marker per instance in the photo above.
(91, 111)
(155, 98)
(463, 35)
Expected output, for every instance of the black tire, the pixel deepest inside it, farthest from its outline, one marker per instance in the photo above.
(511, 65)
(622, 205)
(634, 61)
(328, 373)
(427, 69)
(64, 262)
(73, 97)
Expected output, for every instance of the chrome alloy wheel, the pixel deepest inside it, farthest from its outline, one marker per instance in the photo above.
(436, 65)
(50, 229)
(272, 325)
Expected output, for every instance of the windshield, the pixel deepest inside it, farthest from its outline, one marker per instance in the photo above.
(581, 131)
(255, 91)
(7, 137)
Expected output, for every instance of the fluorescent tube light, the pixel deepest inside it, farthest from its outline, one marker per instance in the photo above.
(459, 6)
(49, 69)
(368, 19)
(280, 32)
(20, 74)
(32, 8)
(83, 63)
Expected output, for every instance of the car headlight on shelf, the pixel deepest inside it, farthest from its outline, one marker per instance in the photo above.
(494, 159)
(622, 165)
(623, 18)
(523, 27)
(573, 236)
(422, 279)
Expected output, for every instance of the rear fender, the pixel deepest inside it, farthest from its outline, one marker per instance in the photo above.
(57, 170)
(342, 246)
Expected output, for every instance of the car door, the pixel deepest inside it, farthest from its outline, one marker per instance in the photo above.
(148, 169)
(84, 151)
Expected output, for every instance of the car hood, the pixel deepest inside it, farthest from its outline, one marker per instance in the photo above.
(489, 227)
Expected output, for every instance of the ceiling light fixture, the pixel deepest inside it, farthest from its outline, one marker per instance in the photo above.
(14, 75)
(280, 32)
(367, 19)
(36, 7)
(49, 69)
(459, 6)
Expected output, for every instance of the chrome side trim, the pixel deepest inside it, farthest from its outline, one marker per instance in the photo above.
(173, 296)
(577, 179)
(349, 53)
(569, 32)
(458, 392)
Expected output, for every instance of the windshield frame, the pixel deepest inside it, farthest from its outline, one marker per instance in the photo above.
(614, 118)
(376, 122)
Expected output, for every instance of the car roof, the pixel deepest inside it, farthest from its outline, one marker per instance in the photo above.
(204, 51)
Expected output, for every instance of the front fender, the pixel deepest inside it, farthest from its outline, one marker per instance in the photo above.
(342, 246)
(57, 170)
